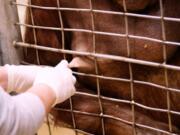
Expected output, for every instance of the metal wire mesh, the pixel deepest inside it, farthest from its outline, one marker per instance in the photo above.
(127, 59)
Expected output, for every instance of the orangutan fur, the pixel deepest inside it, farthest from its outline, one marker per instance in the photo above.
(92, 124)
(139, 49)
(136, 5)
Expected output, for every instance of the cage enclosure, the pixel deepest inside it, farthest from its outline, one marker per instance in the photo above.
(124, 53)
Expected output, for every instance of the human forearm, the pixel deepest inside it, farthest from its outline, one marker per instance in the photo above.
(22, 114)
(45, 94)
(43, 88)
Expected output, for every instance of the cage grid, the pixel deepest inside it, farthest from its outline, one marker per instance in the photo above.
(130, 67)
(165, 59)
(95, 55)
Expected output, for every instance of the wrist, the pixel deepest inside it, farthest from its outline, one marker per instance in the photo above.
(45, 93)
(3, 77)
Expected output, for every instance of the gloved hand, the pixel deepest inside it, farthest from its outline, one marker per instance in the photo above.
(21, 77)
(59, 79)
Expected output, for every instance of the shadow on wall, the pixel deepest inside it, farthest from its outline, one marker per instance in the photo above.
(22, 15)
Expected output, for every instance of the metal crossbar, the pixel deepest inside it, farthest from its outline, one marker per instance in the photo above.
(166, 87)
(105, 56)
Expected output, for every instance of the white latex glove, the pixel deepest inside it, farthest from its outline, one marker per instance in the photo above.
(21, 77)
(59, 79)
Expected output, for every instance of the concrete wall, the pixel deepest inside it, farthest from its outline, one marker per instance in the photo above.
(9, 33)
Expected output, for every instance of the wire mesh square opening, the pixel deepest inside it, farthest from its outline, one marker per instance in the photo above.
(125, 55)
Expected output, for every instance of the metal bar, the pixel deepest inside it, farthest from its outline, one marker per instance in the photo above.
(62, 27)
(101, 11)
(135, 103)
(105, 56)
(102, 33)
(117, 119)
(96, 67)
(34, 33)
(64, 55)
(48, 124)
(82, 132)
(130, 68)
(165, 59)
(155, 129)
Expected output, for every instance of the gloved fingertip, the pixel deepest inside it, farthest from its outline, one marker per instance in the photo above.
(74, 79)
(63, 63)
